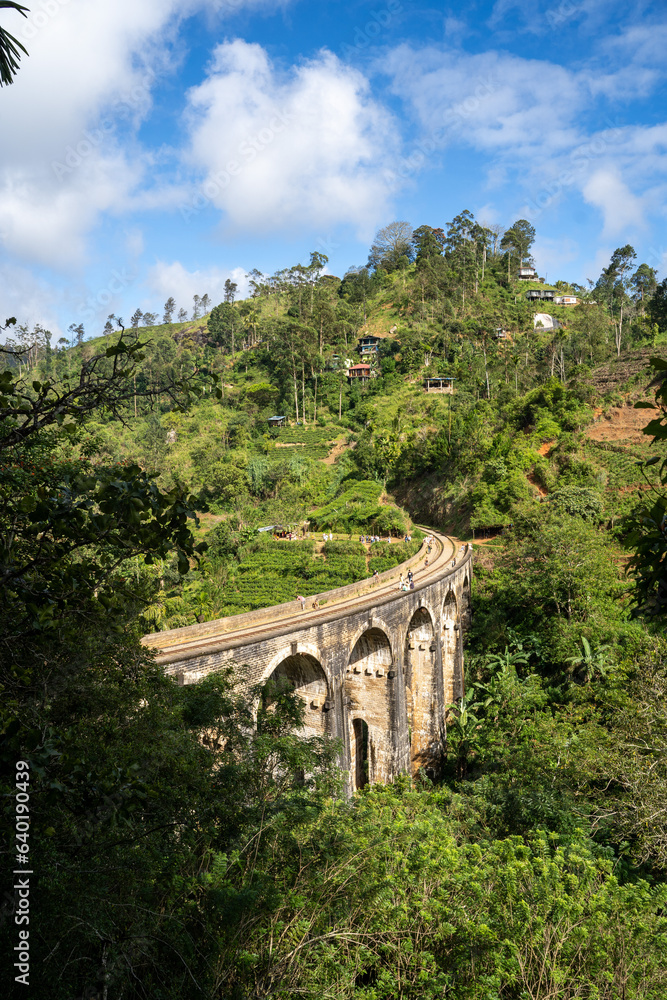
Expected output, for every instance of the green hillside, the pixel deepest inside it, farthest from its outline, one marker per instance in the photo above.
(199, 839)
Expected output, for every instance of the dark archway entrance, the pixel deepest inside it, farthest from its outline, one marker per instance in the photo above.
(359, 752)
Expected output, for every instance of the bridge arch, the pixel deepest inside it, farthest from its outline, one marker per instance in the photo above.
(371, 700)
(466, 603)
(303, 673)
(449, 644)
(300, 648)
(372, 681)
(422, 689)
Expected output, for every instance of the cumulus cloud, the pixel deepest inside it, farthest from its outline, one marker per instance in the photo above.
(290, 150)
(69, 150)
(174, 279)
(538, 126)
(621, 209)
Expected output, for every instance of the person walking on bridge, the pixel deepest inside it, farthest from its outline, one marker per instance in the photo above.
(302, 600)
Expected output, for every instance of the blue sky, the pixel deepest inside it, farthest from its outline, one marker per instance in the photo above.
(156, 149)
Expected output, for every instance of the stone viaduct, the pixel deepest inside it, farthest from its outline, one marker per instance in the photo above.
(375, 666)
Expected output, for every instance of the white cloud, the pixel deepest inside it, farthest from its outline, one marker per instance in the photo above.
(29, 298)
(70, 118)
(621, 209)
(536, 126)
(174, 279)
(293, 150)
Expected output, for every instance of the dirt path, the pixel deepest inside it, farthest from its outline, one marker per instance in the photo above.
(337, 450)
(530, 476)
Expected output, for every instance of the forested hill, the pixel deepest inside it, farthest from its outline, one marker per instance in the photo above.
(184, 847)
(530, 379)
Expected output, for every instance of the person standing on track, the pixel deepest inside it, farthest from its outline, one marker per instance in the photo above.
(302, 600)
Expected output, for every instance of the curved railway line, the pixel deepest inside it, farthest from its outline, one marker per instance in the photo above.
(191, 641)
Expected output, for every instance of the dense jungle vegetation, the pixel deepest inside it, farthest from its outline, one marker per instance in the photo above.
(178, 849)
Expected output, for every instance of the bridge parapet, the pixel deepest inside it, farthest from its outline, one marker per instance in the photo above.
(233, 623)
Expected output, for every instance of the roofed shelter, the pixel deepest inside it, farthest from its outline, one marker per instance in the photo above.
(439, 385)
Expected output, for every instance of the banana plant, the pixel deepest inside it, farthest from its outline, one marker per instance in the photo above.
(504, 662)
(592, 663)
(463, 725)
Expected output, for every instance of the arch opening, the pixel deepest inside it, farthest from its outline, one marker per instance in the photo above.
(450, 648)
(372, 651)
(449, 607)
(423, 703)
(304, 675)
(360, 758)
(370, 695)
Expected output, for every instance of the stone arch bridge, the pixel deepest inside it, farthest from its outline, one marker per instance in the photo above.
(375, 666)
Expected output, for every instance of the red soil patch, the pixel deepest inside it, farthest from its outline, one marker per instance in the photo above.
(545, 448)
(621, 424)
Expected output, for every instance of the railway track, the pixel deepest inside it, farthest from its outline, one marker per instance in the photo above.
(225, 633)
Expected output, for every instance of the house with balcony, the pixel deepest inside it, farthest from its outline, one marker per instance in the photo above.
(360, 373)
(537, 294)
(527, 273)
(368, 345)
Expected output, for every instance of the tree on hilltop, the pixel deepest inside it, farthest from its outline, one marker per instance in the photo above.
(392, 243)
(643, 282)
(76, 334)
(657, 307)
(231, 288)
(169, 307)
(614, 284)
(516, 242)
(427, 243)
(496, 233)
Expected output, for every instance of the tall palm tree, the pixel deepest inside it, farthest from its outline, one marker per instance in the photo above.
(9, 48)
